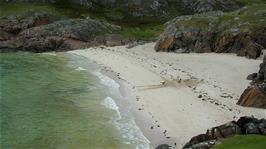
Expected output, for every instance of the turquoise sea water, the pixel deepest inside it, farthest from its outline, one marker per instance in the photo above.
(48, 101)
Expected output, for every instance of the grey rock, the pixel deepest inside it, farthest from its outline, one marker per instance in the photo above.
(57, 35)
(16, 23)
(252, 76)
(244, 126)
(262, 127)
(251, 128)
(163, 146)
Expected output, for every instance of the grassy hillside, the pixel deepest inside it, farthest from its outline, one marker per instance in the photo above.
(67, 12)
(243, 142)
(247, 19)
(142, 28)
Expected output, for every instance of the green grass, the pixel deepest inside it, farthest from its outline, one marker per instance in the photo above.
(66, 11)
(12, 9)
(197, 22)
(249, 2)
(145, 33)
(248, 19)
(243, 142)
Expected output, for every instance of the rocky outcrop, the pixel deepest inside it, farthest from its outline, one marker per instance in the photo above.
(255, 95)
(244, 126)
(14, 24)
(217, 32)
(41, 32)
(5, 35)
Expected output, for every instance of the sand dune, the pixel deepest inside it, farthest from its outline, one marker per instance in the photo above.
(177, 96)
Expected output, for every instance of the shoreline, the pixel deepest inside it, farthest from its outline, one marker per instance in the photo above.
(142, 120)
(173, 94)
(114, 100)
(124, 103)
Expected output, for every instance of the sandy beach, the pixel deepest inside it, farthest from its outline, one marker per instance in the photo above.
(177, 96)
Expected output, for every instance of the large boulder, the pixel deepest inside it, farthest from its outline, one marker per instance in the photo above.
(253, 97)
(224, 131)
(166, 44)
(250, 125)
(242, 44)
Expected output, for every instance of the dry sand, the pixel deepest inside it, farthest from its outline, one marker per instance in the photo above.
(177, 96)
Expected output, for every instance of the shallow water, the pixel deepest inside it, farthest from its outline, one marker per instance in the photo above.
(54, 101)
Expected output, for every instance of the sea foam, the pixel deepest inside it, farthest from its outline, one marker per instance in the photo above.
(124, 122)
(80, 69)
(110, 103)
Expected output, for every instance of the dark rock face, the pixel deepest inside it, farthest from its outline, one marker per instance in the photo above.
(39, 33)
(216, 32)
(255, 95)
(244, 126)
(240, 43)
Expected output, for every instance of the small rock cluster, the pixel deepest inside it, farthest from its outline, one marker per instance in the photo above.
(244, 126)
(255, 95)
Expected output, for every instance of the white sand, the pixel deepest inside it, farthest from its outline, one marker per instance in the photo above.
(175, 106)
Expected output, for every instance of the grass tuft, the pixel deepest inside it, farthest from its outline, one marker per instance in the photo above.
(243, 142)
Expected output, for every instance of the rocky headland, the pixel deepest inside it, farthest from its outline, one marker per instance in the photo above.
(41, 32)
(242, 32)
(201, 26)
